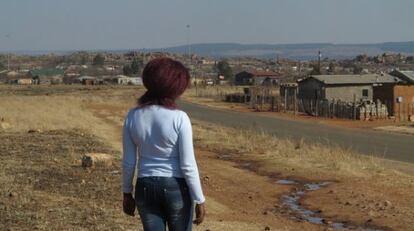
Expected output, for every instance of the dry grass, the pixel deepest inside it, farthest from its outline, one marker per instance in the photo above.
(308, 159)
(218, 92)
(213, 92)
(62, 107)
(45, 113)
(45, 187)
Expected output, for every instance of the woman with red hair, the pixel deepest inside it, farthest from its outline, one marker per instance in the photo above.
(160, 135)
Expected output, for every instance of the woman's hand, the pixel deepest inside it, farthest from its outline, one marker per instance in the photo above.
(200, 213)
(129, 204)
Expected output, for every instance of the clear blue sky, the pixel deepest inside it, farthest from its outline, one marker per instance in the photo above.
(112, 24)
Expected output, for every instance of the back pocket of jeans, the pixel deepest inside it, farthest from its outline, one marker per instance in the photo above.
(175, 199)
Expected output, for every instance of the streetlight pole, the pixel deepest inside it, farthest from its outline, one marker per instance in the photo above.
(188, 44)
(8, 55)
(190, 60)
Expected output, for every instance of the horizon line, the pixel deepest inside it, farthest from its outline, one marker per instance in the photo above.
(72, 50)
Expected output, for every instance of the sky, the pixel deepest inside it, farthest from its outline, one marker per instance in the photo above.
(130, 24)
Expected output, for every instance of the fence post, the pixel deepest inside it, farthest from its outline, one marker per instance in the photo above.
(263, 99)
(295, 99)
(311, 106)
(285, 100)
(251, 97)
(354, 108)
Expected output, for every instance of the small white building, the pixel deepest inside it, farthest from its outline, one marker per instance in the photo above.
(25, 81)
(126, 80)
(109, 68)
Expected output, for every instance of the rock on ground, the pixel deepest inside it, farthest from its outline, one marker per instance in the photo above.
(96, 159)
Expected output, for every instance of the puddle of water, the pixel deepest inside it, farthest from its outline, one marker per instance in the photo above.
(286, 182)
(225, 156)
(292, 201)
(246, 164)
(315, 186)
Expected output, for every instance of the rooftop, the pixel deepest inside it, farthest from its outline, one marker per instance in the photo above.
(409, 75)
(356, 79)
(47, 72)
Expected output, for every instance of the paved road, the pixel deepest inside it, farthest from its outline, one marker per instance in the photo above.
(390, 146)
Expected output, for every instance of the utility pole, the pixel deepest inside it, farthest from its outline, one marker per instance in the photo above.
(8, 61)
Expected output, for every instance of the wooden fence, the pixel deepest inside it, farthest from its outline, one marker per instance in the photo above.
(404, 111)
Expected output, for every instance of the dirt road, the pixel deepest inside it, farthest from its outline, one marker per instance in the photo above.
(398, 147)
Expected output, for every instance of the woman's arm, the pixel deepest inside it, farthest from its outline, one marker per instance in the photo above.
(187, 160)
(129, 156)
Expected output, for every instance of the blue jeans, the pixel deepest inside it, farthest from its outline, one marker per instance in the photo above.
(164, 200)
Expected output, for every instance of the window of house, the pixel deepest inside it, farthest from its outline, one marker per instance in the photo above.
(364, 92)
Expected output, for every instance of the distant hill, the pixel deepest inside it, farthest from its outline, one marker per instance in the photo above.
(306, 51)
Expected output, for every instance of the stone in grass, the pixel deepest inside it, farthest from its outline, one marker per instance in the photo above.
(34, 131)
(5, 125)
(91, 160)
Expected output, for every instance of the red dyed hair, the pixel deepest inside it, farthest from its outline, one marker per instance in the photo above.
(165, 80)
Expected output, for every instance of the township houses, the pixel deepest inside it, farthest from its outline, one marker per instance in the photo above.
(47, 76)
(347, 88)
(261, 78)
(395, 90)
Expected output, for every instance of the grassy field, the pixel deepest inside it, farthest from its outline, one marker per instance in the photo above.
(46, 130)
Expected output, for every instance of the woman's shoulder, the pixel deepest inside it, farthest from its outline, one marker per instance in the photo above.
(177, 113)
(181, 114)
(132, 111)
(160, 111)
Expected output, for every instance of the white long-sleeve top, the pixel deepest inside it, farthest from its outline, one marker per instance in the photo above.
(164, 141)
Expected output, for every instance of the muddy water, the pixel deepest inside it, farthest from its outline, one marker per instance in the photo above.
(292, 202)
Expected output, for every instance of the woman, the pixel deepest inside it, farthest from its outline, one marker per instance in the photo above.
(168, 182)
